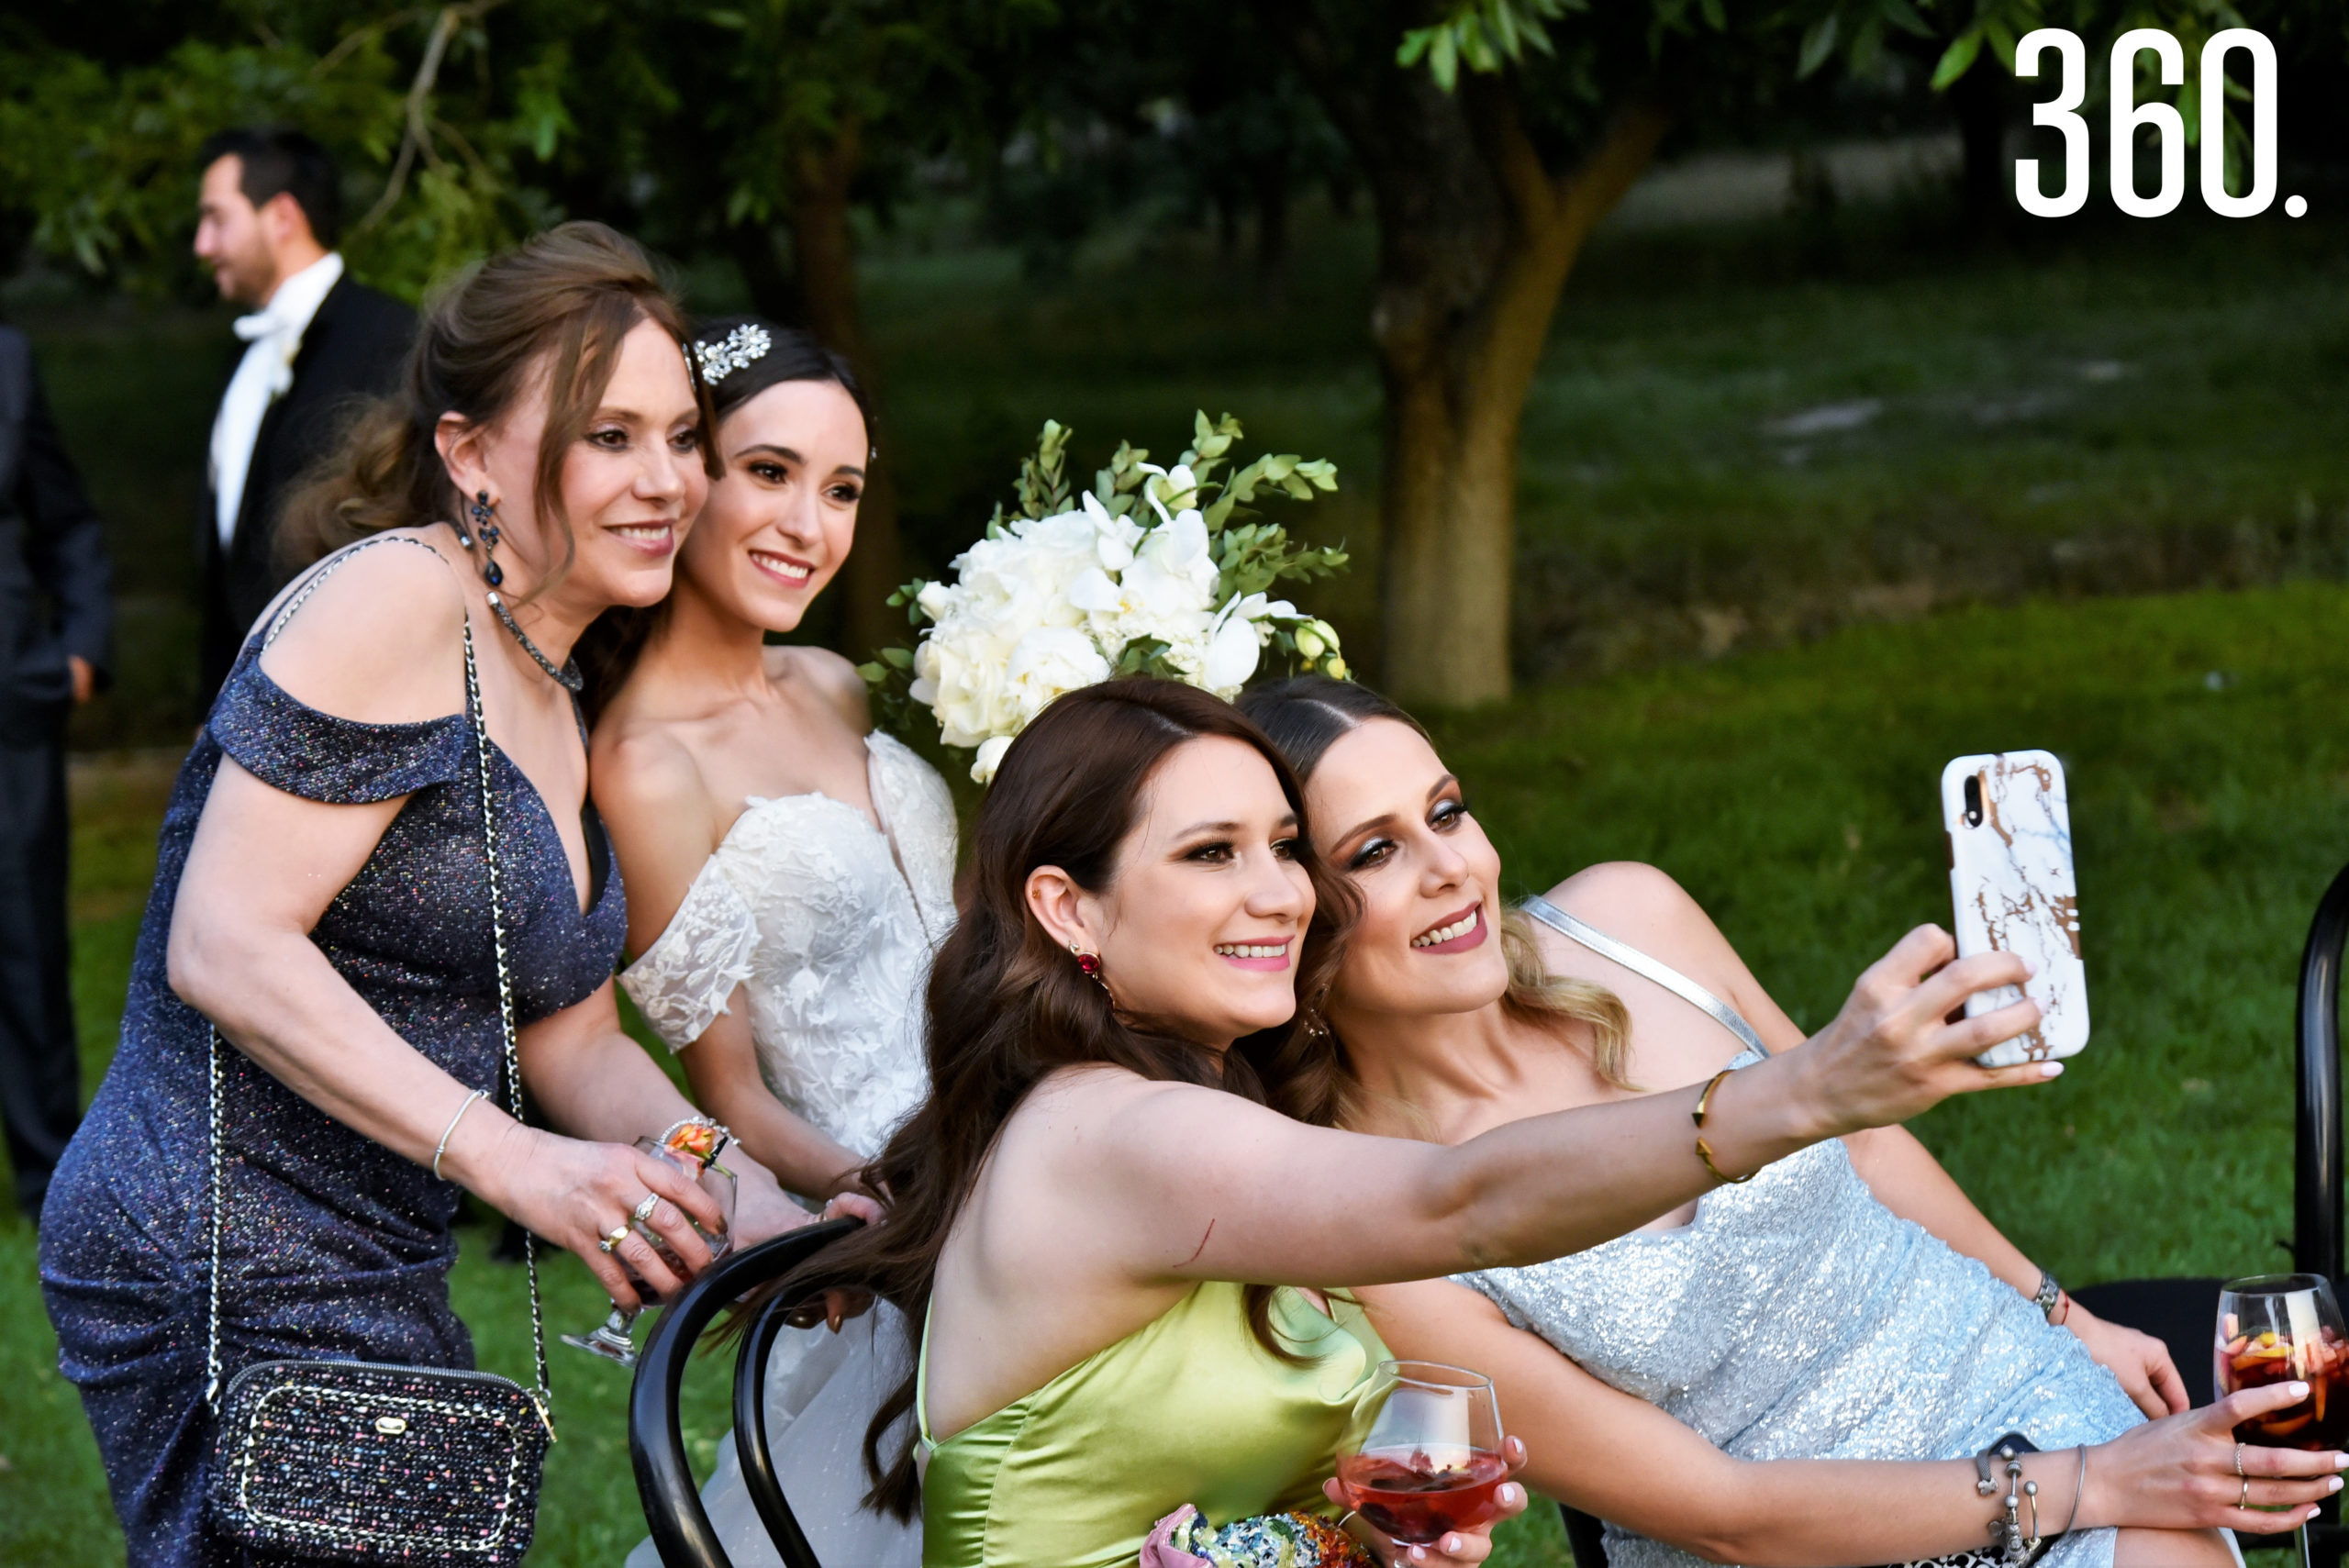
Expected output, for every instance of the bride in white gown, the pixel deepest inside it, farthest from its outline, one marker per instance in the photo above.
(789, 874)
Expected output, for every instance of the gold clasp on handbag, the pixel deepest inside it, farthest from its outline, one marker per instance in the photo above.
(391, 1426)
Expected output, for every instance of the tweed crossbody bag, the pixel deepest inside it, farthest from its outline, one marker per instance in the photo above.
(366, 1461)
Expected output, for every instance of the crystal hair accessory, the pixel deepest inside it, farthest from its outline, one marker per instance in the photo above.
(746, 345)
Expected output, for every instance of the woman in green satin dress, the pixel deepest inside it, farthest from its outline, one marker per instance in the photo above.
(1111, 1219)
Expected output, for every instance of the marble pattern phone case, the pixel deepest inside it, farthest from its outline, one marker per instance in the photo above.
(2010, 880)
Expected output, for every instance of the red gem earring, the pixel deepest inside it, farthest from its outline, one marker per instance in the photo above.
(1090, 962)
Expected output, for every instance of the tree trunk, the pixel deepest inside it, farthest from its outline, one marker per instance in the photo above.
(1475, 240)
(1456, 384)
(774, 291)
(824, 245)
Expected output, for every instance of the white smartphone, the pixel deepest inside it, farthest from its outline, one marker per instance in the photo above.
(2012, 888)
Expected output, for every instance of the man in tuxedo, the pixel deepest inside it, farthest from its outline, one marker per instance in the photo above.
(318, 345)
(56, 646)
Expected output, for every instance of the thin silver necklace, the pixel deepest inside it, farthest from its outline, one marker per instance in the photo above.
(484, 525)
(568, 677)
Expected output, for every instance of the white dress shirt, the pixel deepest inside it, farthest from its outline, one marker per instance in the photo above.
(274, 336)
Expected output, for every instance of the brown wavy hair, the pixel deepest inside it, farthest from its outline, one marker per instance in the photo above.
(559, 305)
(1008, 1007)
(1305, 715)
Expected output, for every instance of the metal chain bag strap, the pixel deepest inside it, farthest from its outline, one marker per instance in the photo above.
(365, 1462)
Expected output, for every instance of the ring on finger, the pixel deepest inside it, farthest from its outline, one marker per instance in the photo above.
(2238, 1459)
(2245, 1501)
(618, 1234)
(644, 1211)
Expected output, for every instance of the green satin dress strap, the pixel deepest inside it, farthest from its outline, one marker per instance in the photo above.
(1188, 1409)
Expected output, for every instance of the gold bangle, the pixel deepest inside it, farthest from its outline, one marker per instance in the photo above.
(1705, 1150)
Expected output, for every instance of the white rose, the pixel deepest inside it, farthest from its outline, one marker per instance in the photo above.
(990, 758)
(1047, 662)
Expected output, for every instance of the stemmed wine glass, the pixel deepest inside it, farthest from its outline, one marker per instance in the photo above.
(2278, 1326)
(1422, 1455)
(693, 1148)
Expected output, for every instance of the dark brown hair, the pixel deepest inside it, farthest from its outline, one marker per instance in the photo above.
(1007, 1006)
(609, 648)
(562, 301)
(273, 161)
(1305, 716)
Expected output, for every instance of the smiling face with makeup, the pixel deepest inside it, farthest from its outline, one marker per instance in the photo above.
(1202, 920)
(1393, 820)
(776, 529)
(630, 485)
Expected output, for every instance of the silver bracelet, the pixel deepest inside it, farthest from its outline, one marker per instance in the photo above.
(451, 1127)
(2080, 1489)
(2047, 1296)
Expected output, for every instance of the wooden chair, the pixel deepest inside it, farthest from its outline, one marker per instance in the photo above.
(2178, 1311)
(681, 1528)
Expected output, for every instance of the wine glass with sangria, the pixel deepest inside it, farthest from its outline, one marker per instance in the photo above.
(2274, 1327)
(1421, 1455)
(692, 1147)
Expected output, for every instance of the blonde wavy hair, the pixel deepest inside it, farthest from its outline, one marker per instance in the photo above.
(1305, 715)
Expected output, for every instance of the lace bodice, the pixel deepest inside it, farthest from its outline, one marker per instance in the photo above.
(1798, 1317)
(827, 926)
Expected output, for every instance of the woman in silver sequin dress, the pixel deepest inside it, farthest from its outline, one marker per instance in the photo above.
(1847, 1304)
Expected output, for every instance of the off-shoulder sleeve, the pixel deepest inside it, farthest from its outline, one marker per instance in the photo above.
(682, 981)
(289, 745)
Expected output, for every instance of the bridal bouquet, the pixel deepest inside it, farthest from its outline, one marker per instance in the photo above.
(1152, 571)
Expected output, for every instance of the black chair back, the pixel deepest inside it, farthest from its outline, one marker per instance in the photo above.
(656, 1445)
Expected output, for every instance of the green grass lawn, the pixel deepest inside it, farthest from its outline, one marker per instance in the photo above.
(1793, 791)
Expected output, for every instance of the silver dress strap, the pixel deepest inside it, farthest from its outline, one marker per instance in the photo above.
(327, 567)
(1640, 964)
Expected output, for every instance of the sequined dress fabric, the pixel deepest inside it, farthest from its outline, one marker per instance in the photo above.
(1798, 1317)
(827, 927)
(334, 1246)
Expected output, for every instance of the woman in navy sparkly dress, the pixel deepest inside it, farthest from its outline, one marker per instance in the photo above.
(320, 896)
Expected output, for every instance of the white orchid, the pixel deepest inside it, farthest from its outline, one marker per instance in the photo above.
(1138, 575)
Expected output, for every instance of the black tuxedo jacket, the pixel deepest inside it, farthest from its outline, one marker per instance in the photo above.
(351, 352)
(56, 584)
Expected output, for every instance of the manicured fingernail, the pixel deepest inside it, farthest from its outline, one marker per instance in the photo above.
(2031, 967)
(2299, 1391)
(2051, 1070)
(2332, 1484)
(2341, 1461)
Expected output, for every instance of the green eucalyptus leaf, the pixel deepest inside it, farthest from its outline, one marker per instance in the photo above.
(1818, 44)
(1957, 58)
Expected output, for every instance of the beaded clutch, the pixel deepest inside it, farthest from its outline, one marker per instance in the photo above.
(370, 1463)
(363, 1461)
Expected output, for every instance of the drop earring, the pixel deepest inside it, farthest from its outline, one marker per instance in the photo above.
(1089, 963)
(486, 529)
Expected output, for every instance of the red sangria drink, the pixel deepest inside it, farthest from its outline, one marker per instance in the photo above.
(2279, 1329)
(1418, 1496)
(1421, 1455)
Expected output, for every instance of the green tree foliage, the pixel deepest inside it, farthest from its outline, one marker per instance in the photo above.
(747, 128)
